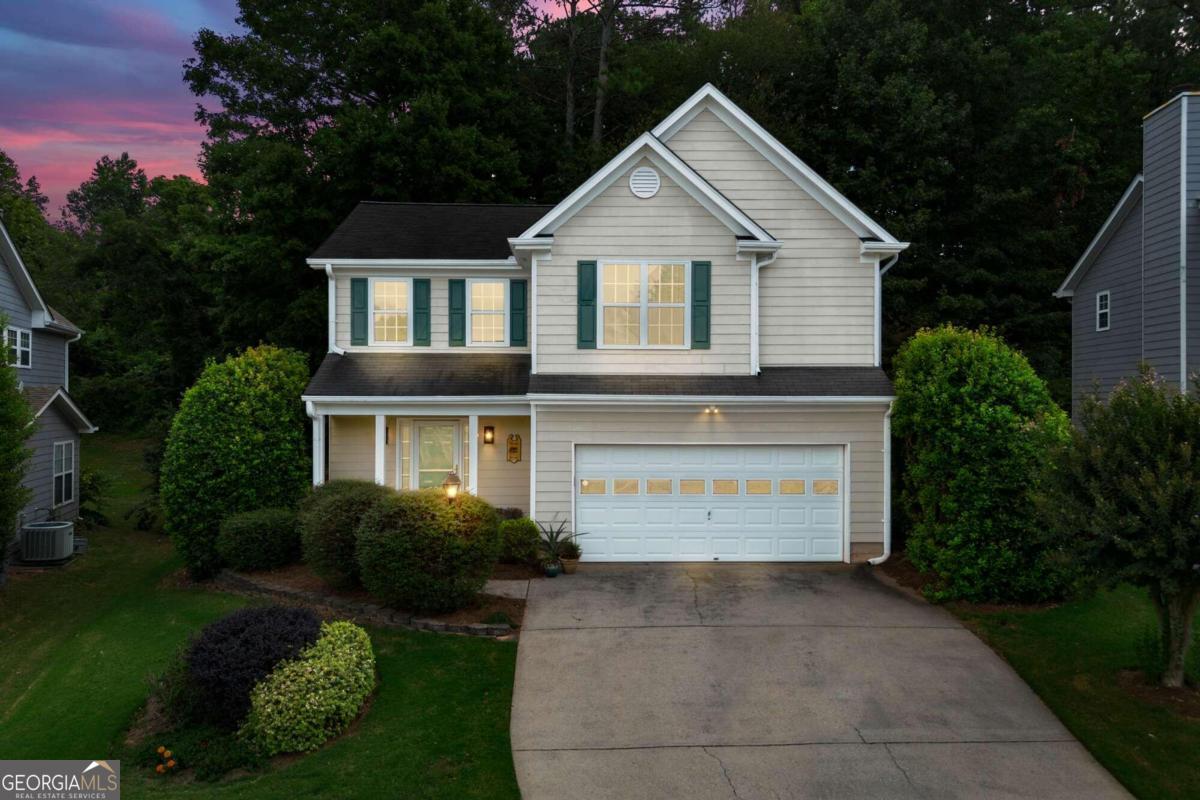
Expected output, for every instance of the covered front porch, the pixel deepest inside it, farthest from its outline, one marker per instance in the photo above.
(489, 448)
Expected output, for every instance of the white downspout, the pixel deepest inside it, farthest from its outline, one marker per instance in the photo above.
(333, 345)
(887, 488)
(531, 305)
(754, 368)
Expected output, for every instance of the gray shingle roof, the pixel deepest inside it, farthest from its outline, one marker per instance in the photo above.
(480, 374)
(429, 230)
(421, 375)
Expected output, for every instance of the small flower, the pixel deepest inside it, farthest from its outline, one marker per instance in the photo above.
(160, 769)
(171, 764)
(161, 749)
(166, 754)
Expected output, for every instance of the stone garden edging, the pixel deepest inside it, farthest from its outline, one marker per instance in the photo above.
(359, 611)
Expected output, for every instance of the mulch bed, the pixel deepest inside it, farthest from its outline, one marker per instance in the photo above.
(493, 613)
(1184, 702)
(516, 572)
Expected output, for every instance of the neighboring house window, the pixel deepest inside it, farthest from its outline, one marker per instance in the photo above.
(488, 309)
(64, 472)
(643, 304)
(391, 310)
(20, 346)
(1102, 311)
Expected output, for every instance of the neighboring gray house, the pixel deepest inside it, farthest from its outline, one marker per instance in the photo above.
(38, 340)
(1135, 291)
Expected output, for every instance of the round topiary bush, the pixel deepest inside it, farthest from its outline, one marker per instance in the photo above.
(262, 539)
(418, 551)
(230, 656)
(237, 443)
(977, 423)
(329, 518)
(309, 700)
(519, 541)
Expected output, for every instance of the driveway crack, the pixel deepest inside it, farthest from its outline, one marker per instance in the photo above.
(724, 771)
(696, 598)
(903, 771)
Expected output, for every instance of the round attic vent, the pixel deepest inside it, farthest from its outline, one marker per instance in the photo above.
(644, 182)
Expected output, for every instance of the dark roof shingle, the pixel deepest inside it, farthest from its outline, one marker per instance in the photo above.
(489, 374)
(429, 230)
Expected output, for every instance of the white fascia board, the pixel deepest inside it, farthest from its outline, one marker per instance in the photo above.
(81, 421)
(705, 400)
(414, 263)
(24, 280)
(882, 248)
(452, 407)
(415, 399)
(649, 147)
(755, 246)
(1115, 218)
(708, 96)
(535, 244)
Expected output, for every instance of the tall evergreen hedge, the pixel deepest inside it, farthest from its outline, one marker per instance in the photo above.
(978, 425)
(237, 444)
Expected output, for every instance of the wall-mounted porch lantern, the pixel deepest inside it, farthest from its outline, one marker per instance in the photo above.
(489, 434)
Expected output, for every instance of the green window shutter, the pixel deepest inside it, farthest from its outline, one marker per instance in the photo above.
(701, 305)
(458, 312)
(358, 311)
(421, 312)
(586, 327)
(518, 313)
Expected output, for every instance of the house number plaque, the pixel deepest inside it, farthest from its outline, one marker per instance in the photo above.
(514, 448)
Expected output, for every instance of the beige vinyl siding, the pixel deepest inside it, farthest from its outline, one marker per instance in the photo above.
(439, 304)
(503, 484)
(817, 301)
(352, 448)
(859, 426)
(670, 225)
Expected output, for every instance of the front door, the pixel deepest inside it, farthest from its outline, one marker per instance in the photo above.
(437, 452)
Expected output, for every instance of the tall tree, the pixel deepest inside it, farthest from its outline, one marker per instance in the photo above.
(117, 188)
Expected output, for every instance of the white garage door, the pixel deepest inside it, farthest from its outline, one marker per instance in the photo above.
(710, 503)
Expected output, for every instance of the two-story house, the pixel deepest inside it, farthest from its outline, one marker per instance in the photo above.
(1135, 291)
(680, 359)
(38, 341)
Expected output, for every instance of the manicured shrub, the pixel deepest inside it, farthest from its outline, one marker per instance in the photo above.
(510, 512)
(329, 518)
(418, 551)
(309, 700)
(237, 444)
(519, 539)
(234, 653)
(977, 424)
(1126, 491)
(262, 539)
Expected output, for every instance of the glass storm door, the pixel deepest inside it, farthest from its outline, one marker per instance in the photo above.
(437, 452)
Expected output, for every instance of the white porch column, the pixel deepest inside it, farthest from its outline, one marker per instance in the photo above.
(318, 449)
(380, 449)
(473, 445)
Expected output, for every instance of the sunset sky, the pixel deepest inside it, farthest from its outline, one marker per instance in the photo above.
(84, 78)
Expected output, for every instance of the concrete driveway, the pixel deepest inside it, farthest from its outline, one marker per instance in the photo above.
(703, 681)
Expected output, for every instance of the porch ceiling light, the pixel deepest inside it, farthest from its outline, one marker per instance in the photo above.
(710, 409)
(489, 434)
(452, 484)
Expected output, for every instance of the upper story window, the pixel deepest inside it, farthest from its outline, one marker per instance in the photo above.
(1102, 310)
(391, 311)
(488, 308)
(20, 346)
(643, 304)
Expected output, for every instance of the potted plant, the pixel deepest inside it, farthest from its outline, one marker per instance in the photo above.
(569, 553)
(560, 551)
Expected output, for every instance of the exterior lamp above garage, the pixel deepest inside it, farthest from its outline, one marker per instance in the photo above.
(711, 409)
(489, 434)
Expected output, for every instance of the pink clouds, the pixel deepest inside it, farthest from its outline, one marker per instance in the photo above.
(80, 79)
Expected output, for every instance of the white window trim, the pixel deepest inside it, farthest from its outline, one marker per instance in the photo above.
(28, 332)
(1107, 295)
(371, 312)
(55, 475)
(644, 304)
(471, 311)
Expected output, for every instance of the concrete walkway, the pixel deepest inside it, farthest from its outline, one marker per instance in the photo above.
(703, 681)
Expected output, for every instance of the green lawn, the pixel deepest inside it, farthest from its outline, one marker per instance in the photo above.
(1072, 656)
(77, 644)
